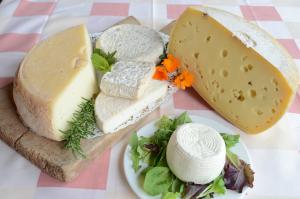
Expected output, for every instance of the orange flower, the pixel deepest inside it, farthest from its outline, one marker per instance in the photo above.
(171, 63)
(160, 73)
(184, 80)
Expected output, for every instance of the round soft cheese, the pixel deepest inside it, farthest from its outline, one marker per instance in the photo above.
(132, 42)
(196, 153)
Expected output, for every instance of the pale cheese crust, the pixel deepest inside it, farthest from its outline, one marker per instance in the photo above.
(132, 42)
(52, 80)
(241, 71)
(127, 79)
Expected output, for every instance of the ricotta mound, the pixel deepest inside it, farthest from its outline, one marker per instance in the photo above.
(52, 80)
(115, 113)
(132, 42)
(127, 79)
(196, 153)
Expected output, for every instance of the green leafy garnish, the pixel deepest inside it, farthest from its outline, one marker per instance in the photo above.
(171, 195)
(218, 186)
(164, 55)
(231, 141)
(103, 61)
(81, 126)
(157, 180)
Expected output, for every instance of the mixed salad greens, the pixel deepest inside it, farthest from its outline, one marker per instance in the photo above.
(157, 178)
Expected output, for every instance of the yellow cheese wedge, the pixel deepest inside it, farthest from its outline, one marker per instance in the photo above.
(52, 80)
(240, 70)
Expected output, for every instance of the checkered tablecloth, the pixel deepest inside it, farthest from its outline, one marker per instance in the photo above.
(275, 153)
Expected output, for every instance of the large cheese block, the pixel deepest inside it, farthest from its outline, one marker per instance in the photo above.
(127, 79)
(132, 42)
(240, 70)
(52, 80)
(201, 149)
(115, 113)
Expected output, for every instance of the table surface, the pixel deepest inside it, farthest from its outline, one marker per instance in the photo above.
(275, 153)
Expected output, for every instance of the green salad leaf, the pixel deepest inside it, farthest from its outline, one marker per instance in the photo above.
(103, 61)
(217, 186)
(231, 141)
(171, 195)
(157, 180)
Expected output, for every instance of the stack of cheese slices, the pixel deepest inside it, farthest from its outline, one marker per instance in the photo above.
(57, 74)
(128, 91)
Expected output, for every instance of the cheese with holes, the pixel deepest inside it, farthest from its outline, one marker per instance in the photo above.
(196, 153)
(132, 42)
(240, 70)
(52, 80)
(127, 79)
(115, 113)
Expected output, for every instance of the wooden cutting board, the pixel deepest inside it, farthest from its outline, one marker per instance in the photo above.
(48, 155)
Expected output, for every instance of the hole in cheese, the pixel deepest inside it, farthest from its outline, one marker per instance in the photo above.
(224, 53)
(252, 93)
(225, 73)
(208, 38)
(196, 55)
(250, 83)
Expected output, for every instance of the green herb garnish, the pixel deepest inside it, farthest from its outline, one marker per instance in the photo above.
(80, 127)
(230, 141)
(164, 55)
(103, 61)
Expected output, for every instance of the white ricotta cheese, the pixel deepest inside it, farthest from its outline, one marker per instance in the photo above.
(196, 153)
(115, 113)
(132, 42)
(127, 79)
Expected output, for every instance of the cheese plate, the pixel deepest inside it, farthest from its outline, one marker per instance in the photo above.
(134, 179)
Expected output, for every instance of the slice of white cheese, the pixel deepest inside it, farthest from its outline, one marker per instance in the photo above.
(52, 80)
(196, 153)
(115, 113)
(132, 42)
(127, 79)
(240, 70)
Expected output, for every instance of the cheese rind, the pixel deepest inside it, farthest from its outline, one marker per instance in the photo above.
(132, 42)
(127, 79)
(52, 80)
(115, 113)
(201, 148)
(240, 70)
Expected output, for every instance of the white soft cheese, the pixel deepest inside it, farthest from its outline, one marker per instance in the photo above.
(196, 153)
(115, 113)
(127, 79)
(132, 42)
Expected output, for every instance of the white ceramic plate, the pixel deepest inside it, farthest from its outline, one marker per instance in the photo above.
(148, 130)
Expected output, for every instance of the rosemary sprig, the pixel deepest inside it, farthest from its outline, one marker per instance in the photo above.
(81, 126)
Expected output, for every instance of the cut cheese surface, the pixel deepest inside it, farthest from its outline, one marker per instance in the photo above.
(127, 79)
(201, 148)
(132, 42)
(52, 80)
(241, 71)
(115, 113)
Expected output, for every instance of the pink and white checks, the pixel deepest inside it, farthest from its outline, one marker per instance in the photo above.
(275, 154)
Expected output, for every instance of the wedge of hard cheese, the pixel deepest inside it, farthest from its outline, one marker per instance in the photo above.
(115, 113)
(127, 79)
(52, 80)
(240, 70)
(132, 42)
